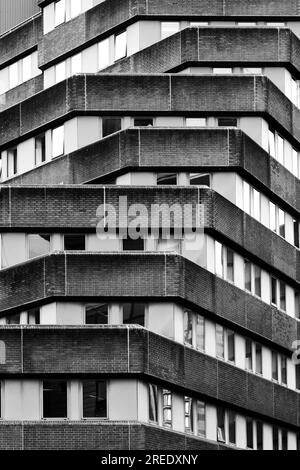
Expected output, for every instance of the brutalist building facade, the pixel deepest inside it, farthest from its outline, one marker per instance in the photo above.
(151, 343)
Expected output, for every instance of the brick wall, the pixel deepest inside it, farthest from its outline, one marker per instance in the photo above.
(148, 276)
(153, 94)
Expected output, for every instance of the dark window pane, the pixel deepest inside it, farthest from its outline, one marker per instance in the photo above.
(143, 122)
(249, 361)
(247, 270)
(274, 291)
(275, 438)
(167, 178)
(284, 439)
(199, 179)
(96, 314)
(55, 399)
(201, 419)
(153, 403)
(133, 245)
(274, 365)
(134, 314)
(39, 245)
(34, 316)
(296, 234)
(94, 399)
(110, 125)
(283, 361)
(220, 341)
(232, 427)
(40, 149)
(257, 280)
(259, 433)
(230, 265)
(282, 296)
(227, 122)
(249, 429)
(231, 345)
(221, 425)
(13, 320)
(74, 242)
(298, 377)
(297, 304)
(258, 358)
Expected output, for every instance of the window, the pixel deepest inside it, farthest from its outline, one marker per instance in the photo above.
(255, 209)
(275, 366)
(76, 64)
(60, 72)
(258, 358)
(96, 314)
(221, 437)
(283, 365)
(58, 141)
(249, 432)
(188, 415)
(222, 70)
(167, 408)
(284, 439)
(252, 201)
(103, 54)
(168, 28)
(121, 45)
(272, 144)
(219, 259)
(275, 438)
(281, 223)
(166, 178)
(200, 332)
(231, 345)
(75, 8)
(298, 377)
(282, 296)
(143, 122)
(12, 162)
(94, 399)
(246, 195)
(110, 125)
(232, 427)
(227, 122)
(273, 219)
(252, 70)
(26, 68)
(273, 291)
(200, 179)
(249, 360)
(13, 320)
(188, 328)
(38, 245)
(153, 403)
(133, 245)
(296, 163)
(259, 435)
(280, 149)
(59, 12)
(195, 122)
(201, 419)
(134, 313)
(2, 359)
(220, 341)
(257, 281)
(248, 275)
(297, 304)
(74, 242)
(55, 399)
(229, 265)
(13, 72)
(296, 233)
(40, 149)
(33, 317)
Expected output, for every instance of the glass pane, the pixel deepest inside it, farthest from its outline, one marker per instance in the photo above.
(60, 72)
(167, 408)
(258, 358)
(188, 327)
(231, 345)
(200, 332)
(230, 265)
(34, 316)
(220, 341)
(281, 222)
(143, 122)
(75, 8)
(188, 415)
(103, 54)
(284, 439)
(12, 162)
(201, 419)
(94, 399)
(133, 245)
(27, 64)
(222, 70)
(55, 399)
(168, 28)
(249, 361)
(272, 144)
(273, 221)
(256, 204)
(227, 122)
(283, 361)
(232, 427)
(166, 178)
(274, 291)
(274, 366)
(249, 429)
(60, 9)
(219, 258)
(275, 438)
(246, 193)
(39, 245)
(96, 314)
(14, 75)
(297, 304)
(282, 288)
(58, 144)
(153, 403)
(296, 233)
(248, 275)
(221, 424)
(257, 280)
(259, 435)
(110, 125)
(121, 45)
(195, 122)
(295, 163)
(40, 149)
(74, 242)
(76, 64)
(280, 149)
(134, 313)
(199, 179)
(13, 319)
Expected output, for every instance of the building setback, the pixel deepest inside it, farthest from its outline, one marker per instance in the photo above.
(159, 344)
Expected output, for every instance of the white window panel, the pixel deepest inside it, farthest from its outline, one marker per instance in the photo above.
(59, 12)
(103, 54)
(198, 23)
(219, 259)
(58, 141)
(253, 70)
(222, 70)
(273, 221)
(121, 45)
(280, 149)
(60, 72)
(76, 64)
(295, 157)
(14, 75)
(195, 122)
(75, 8)
(256, 204)
(272, 144)
(27, 68)
(246, 194)
(168, 28)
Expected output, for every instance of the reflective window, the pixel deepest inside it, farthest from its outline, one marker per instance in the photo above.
(201, 419)
(200, 179)
(222, 70)
(143, 122)
(26, 66)
(219, 259)
(121, 45)
(75, 8)
(272, 144)
(96, 314)
(274, 366)
(167, 178)
(168, 28)
(55, 399)
(188, 327)
(257, 281)
(58, 141)
(167, 408)
(103, 54)
(220, 350)
(38, 245)
(153, 403)
(94, 399)
(249, 433)
(258, 359)
(249, 361)
(134, 313)
(74, 242)
(231, 345)
(110, 125)
(12, 162)
(248, 275)
(221, 437)
(232, 427)
(283, 365)
(227, 122)
(14, 75)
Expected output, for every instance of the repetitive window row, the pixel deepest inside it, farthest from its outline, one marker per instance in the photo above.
(197, 332)
(19, 72)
